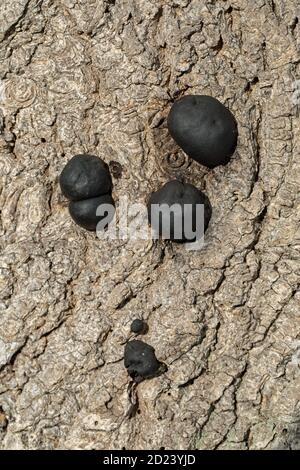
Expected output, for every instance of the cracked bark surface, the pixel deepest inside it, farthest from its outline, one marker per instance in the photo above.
(99, 77)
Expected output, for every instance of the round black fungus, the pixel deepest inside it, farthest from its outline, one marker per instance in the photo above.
(140, 360)
(204, 129)
(173, 212)
(85, 176)
(84, 212)
(138, 326)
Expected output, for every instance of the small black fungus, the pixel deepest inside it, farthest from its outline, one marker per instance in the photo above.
(180, 224)
(85, 176)
(138, 326)
(140, 360)
(84, 212)
(204, 128)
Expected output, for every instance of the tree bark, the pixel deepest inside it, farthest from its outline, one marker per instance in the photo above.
(100, 77)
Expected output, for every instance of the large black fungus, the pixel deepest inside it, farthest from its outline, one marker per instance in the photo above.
(140, 360)
(204, 128)
(85, 176)
(84, 212)
(173, 212)
(138, 326)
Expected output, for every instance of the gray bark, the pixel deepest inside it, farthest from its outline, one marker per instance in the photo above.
(99, 77)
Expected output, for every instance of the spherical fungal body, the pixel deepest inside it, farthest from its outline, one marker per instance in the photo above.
(204, 128)
(88, 213)
(179, 212)
(138, 326)
(86, 181)
(140, 360)
(85, 176)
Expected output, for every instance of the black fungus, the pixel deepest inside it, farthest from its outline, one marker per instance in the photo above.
(182, 224)
(84, 212)
(140, 360)
(85, 176)
(138, 326)
(204, 128)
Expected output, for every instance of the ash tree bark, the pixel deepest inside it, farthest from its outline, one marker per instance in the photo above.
(100, 77)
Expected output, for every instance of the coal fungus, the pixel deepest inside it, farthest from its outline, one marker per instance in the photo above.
(138, 326)
(85, 176)
(173, 212)
(140, 360)
(84, 212)
(204, 128)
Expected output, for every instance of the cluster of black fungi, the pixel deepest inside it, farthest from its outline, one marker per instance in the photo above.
(207, 132)
(86, 182)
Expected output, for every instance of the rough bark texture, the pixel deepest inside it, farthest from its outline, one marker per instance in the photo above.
(100, 76)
